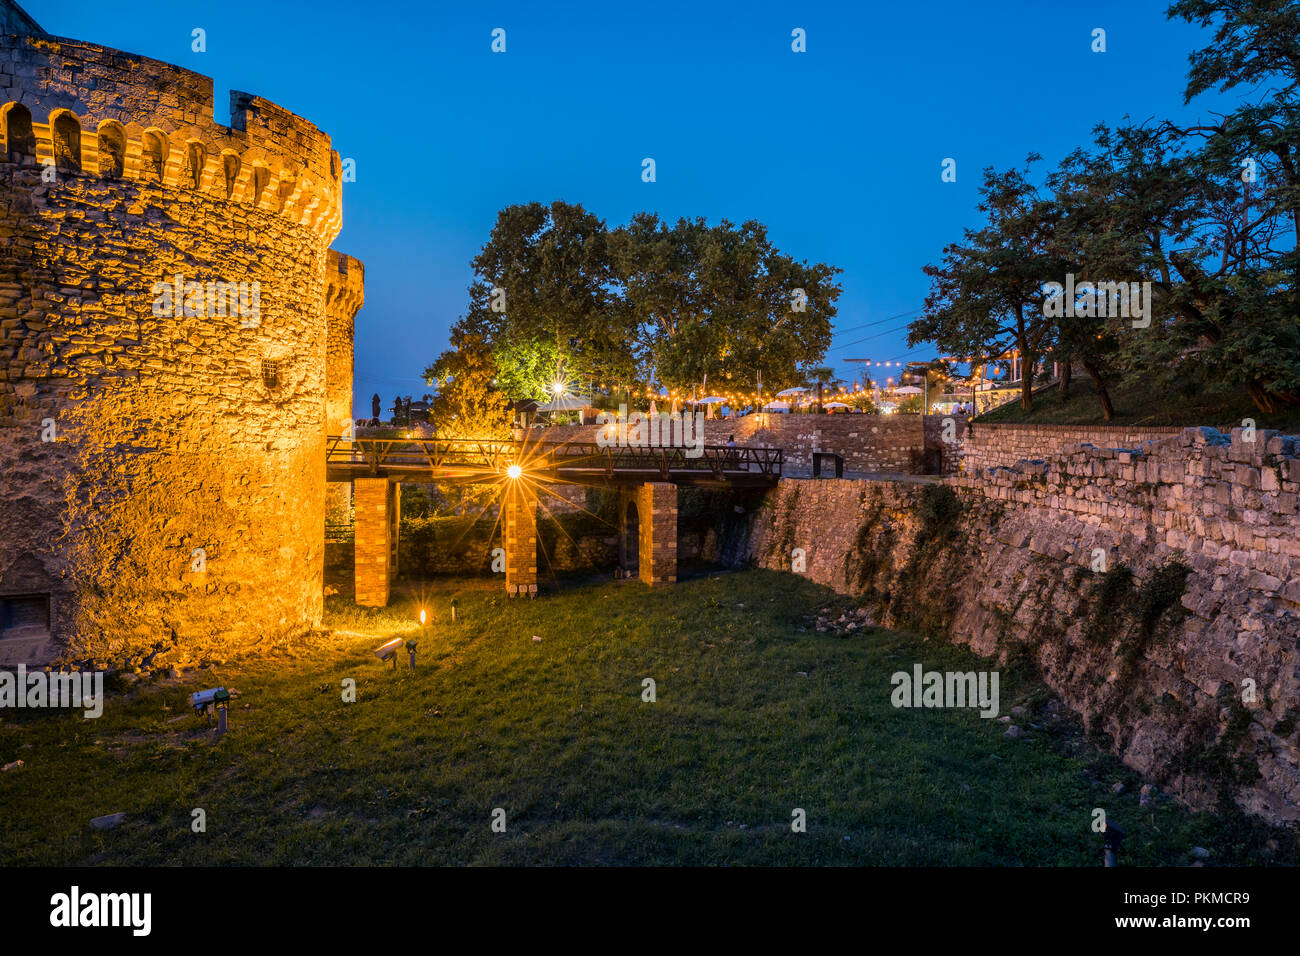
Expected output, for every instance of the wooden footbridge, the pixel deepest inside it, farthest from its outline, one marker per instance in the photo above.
(588, 462)
(647, 480)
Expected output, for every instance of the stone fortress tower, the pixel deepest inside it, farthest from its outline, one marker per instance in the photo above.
(175, 344)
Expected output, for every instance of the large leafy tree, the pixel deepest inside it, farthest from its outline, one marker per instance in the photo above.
(986, 297)
(1245, 289)
(558, 295)
(1102, 208)
(721, 302)
(1208, 214)
(543, 293)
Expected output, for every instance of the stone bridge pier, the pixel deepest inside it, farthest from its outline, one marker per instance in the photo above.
(520, 522)
(648, 531)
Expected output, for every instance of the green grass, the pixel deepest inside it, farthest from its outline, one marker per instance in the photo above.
(757, 714)
(1137, 402)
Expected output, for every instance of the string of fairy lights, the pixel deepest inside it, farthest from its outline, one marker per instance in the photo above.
(891, 374)
(847, 394)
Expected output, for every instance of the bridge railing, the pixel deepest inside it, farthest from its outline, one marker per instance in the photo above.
(471, 455)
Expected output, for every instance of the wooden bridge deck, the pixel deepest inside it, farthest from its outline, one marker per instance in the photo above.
(468, 459)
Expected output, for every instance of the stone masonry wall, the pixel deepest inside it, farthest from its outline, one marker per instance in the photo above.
(179, 506)
(1010, 563)
(993, 445)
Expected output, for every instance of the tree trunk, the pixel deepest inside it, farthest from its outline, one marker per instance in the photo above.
(1026, 380)
(1067, 368)
(1107, 409)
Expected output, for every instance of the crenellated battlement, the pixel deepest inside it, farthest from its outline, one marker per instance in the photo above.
(94, 111)
(345, 285)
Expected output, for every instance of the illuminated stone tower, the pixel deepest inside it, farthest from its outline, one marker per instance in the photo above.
(175, 341)
(345, 292)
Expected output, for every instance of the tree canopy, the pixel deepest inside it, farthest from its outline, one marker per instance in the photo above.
(1208, 215)
(558, 294)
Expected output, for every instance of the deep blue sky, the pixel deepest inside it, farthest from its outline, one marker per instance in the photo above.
(837, 150)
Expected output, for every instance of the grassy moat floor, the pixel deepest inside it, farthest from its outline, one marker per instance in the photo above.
(757, 713)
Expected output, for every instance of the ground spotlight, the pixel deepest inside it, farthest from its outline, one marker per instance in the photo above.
(218, 698)
(388, 652)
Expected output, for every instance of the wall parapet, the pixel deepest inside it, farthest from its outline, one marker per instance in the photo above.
(993, 444)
